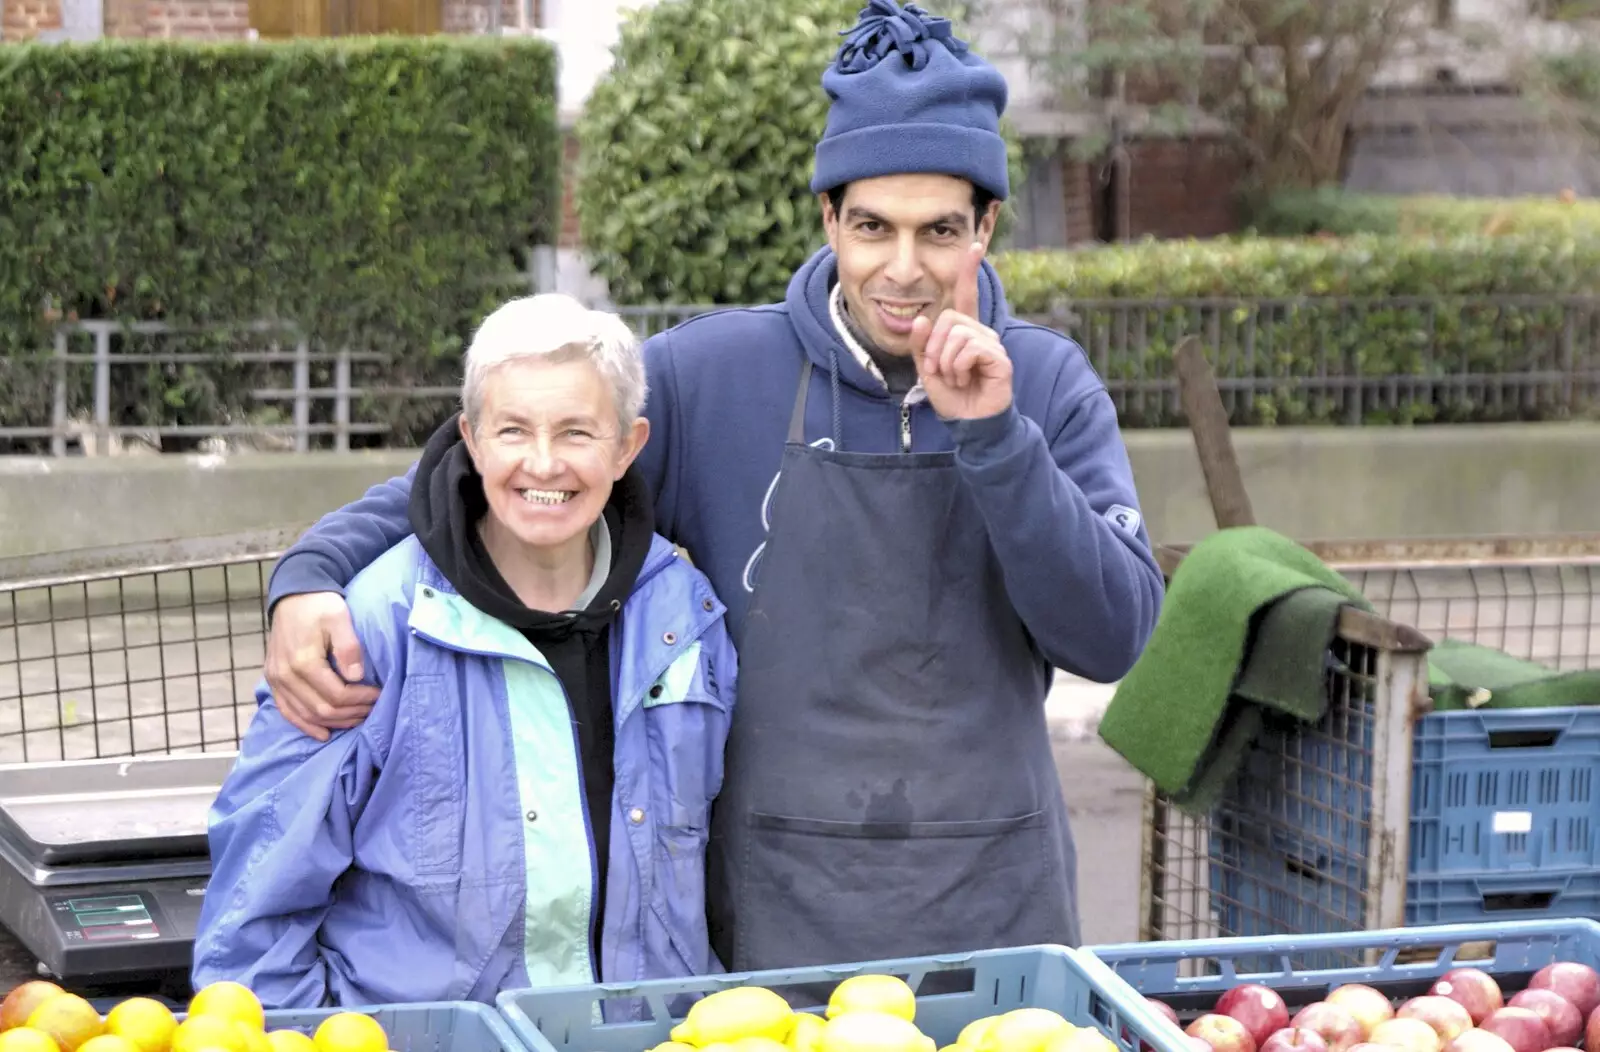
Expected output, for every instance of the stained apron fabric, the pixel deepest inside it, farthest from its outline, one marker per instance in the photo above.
(890, 789)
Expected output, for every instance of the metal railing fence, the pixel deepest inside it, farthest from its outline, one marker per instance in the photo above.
(1278, 361)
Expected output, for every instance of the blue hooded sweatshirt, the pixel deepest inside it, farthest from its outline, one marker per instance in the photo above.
(1051, 473)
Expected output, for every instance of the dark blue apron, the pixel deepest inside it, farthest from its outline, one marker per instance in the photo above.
(890, 789)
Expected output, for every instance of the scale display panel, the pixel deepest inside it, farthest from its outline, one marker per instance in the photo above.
(130, 916)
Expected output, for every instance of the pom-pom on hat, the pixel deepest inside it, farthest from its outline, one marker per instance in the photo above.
(907, 96)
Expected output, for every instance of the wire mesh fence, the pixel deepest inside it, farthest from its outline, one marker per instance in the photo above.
(162, 658)
(1311, 834)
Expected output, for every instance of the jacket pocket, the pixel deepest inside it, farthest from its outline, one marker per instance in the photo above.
(436, 761)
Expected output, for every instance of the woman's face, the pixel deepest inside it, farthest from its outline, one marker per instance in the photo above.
(548, 448)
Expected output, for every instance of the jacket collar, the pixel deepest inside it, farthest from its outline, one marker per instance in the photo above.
(669, 609)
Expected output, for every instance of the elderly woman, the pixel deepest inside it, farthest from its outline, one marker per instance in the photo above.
(527, 804)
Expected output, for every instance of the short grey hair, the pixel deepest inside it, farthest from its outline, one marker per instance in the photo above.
(556, 328)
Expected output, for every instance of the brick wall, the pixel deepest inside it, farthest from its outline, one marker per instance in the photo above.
(197, 19)
(24, 19)
(569, 236)
(1083, 200)
(212, 19)
(1182, 188)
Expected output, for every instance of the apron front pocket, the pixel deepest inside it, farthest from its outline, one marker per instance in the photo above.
(838, 892)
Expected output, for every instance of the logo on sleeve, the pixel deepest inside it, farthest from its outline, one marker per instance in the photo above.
(1123, 518)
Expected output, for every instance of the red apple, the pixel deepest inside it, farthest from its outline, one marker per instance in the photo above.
(1578, 983)
(1472, 988)
(1478, 1041)
(1164, 1008)
(23, 999)
(1522, 1028)
(1222, 1032)
(1258, 1007)
(1448, 1018)
(1294, 1039)
(1413, 1035)
(1562, 1018)
(1333, 1024)
(1368, 1046)
(1368, 1005)
(1198, 1044)
(1591, 1036)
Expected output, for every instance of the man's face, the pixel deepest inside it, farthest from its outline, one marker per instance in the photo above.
(900, 241)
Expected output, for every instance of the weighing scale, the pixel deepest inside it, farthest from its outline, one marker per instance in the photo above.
(105, 864)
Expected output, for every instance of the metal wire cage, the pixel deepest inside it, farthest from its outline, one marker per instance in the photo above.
(1313, 835)
(136, 650)
(1310, 836)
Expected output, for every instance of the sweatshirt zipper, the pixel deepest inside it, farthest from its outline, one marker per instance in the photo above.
(905, 425)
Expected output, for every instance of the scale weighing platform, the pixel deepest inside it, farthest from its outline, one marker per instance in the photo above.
(104, 863)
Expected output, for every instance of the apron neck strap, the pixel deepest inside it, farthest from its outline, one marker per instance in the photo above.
(797, 421)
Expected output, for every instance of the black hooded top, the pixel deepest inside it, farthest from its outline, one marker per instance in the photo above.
(447, 503)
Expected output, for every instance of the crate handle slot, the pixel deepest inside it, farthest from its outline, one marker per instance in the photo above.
(1532, 738)
(1504, 901)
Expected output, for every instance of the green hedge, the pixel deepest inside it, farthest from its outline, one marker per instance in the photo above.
(377, 192)
(1305, 212)
(696, 149)
(1366, 329)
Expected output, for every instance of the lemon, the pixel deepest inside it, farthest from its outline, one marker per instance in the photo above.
(1080, 1039)
(290, 1041)
(108, 1043)
(229, 1000)
(758, 1044)
(144, 1021)
(207, 1032)
(349, 1032)
(873, 1032)
(1024, 1030)
(873, 993)
(972, 1035)
(27, 1039)
(673, 1046)
(727, 1015)
(806, 1035)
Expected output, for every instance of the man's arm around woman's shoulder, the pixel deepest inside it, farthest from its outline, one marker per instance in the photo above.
(282, 827)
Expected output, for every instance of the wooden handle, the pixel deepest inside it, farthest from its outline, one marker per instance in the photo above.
(1208, 421)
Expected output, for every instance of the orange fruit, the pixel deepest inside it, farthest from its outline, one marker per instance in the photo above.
(27, 1039)
(146, 1023)
(284, 1041)
(350, 1032)
(69, 1019)
(230, 1001)
(22, 1000)
(208, 1032)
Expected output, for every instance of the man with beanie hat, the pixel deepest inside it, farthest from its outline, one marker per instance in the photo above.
(914, 506)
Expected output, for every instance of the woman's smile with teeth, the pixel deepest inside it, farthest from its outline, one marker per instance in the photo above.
(546, 496)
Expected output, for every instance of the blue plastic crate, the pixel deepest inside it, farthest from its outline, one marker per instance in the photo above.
(1500, 790)
(1504, 814)
(1071, 982)
(1403, 962)
(1469, 898)
(444, 1026)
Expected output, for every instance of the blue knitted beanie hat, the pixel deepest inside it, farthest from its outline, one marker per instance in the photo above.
(908, 97)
